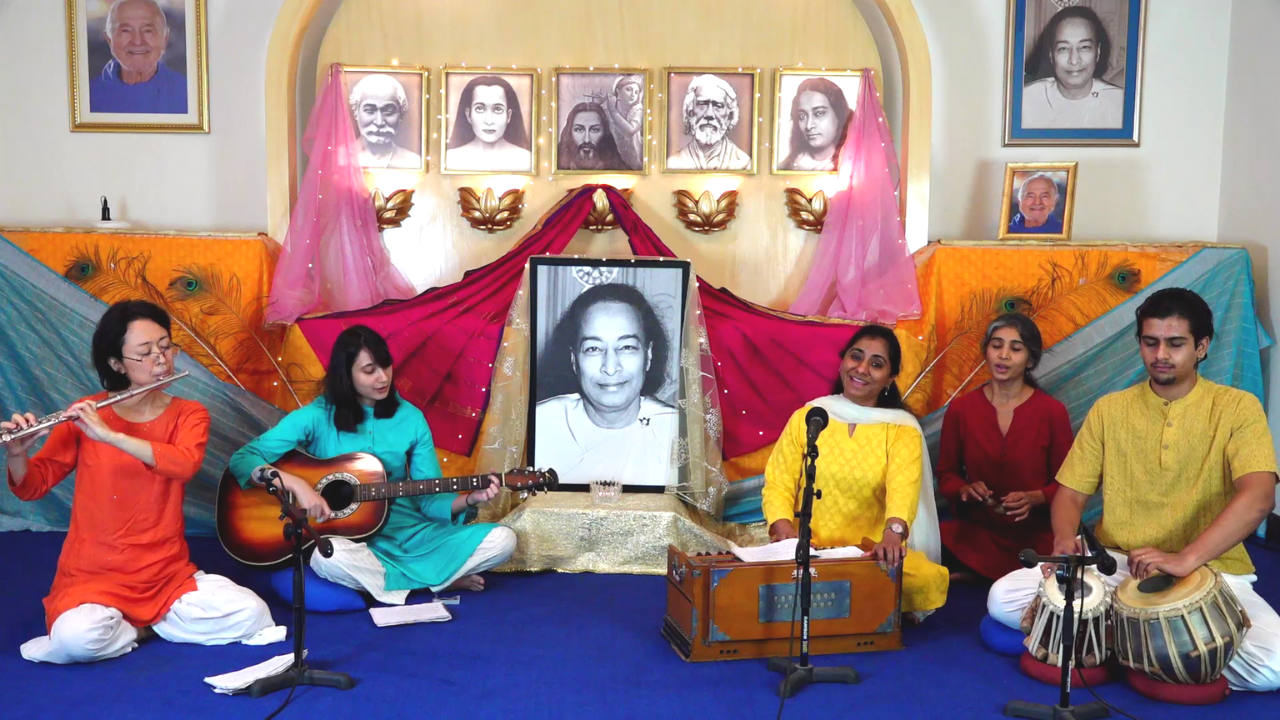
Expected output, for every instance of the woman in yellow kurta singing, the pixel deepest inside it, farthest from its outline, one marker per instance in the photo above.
(873, 471)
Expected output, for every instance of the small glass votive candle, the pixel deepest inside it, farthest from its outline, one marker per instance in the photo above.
(606, 492)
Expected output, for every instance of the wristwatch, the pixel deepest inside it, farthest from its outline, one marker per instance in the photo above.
(898, 528)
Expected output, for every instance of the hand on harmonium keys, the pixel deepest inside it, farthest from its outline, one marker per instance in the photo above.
(782, 530)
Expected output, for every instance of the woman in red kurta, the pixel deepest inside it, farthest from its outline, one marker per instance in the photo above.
(1002, 445)
(124, 564)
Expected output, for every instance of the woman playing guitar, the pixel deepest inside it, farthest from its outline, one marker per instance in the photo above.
(425, 542)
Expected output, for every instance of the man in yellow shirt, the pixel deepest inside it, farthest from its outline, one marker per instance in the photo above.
(1188, 471)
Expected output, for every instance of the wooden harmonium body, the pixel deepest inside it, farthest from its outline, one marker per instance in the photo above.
(720, 608)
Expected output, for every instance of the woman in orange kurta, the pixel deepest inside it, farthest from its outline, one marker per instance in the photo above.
(124, 564)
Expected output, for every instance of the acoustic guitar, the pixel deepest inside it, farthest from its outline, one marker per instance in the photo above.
(356, 488)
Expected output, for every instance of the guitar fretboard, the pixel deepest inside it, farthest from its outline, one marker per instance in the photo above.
(410, 488)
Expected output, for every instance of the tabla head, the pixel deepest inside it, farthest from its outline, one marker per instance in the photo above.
(1092, 597)
(1163, 590)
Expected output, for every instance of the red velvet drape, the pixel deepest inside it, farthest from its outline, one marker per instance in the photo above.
(768, 363)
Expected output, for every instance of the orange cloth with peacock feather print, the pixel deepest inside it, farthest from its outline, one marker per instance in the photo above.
(214, 288)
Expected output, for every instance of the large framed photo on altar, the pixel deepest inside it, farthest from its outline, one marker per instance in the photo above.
(604, 374)
(710, 120)
(490, 121)
(1073, 72)
(388, 113)
(601, 120)
(138, 65)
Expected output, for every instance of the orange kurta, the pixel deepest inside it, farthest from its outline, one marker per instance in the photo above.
(125, 548)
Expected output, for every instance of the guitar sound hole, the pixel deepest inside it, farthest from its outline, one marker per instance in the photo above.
(339, 495)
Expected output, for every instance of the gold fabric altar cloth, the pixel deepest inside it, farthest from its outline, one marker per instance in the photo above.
(570, 532)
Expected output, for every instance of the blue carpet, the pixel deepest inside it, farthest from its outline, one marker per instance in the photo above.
(532, 646)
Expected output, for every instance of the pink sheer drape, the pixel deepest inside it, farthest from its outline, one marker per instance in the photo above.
(333, 258)
(862, 270)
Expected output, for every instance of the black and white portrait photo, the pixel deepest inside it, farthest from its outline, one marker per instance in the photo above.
(813, 110)
(138, 65)
(1074, 71)
(605, 368)
(489, 124)
(710, 121)
(387, 108)
(602, 120)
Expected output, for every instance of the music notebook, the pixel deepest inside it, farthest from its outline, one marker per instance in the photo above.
(409, 614)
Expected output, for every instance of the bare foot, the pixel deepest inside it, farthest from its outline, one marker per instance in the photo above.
(475, 583)
(963, 577)
(145, 632)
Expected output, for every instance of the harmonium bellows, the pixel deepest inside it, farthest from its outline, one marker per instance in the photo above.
(720, 608)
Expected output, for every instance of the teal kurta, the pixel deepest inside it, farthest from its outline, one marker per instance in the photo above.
(423, 543)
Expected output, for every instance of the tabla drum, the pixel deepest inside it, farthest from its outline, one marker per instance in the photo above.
(1178, 630)
(1042, 621)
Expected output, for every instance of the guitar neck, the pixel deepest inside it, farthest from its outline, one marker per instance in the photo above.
(411, 488)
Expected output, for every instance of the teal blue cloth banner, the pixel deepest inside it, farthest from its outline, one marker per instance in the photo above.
(1102, 357)
(46, 324)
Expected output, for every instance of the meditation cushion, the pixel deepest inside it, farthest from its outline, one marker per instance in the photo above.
(1206, 694)
(321, 595)
(1001, 639)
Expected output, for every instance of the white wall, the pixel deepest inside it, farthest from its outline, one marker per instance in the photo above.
(1250, 159)
(1166, 189)
(50, 176)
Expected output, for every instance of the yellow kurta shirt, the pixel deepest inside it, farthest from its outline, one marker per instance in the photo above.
(1168, 469)
(865, 479)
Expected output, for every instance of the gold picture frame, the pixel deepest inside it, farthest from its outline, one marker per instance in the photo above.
(353, 74)
(782, 99)
(1057, 223)
(98, 93)
(1124, 28)
(529, 106)
(557, 81)
(754, 121)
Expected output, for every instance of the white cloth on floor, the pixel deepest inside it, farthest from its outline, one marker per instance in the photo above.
(354, 565)
(1256, 665)
(217, 612)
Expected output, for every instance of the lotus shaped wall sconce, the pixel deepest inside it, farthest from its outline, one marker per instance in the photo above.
(393, 209)
(705, 214)
(601, 218)
(808, 212)
(489, 212)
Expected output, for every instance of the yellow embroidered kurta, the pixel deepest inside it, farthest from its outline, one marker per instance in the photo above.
(1168, 469)
(865, 479)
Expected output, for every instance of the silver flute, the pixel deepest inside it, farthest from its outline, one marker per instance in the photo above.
(49, 421)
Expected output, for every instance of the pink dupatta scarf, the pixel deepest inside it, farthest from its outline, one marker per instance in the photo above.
(862, 269)
(333, 258)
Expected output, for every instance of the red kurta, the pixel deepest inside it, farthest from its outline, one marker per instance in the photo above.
(125, 548)
(1028, 458)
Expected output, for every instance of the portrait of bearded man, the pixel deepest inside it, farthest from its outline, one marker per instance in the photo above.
(587, 143)
(710, 113)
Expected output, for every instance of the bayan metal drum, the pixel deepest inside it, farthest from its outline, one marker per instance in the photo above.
(1178, 630)
(1042, 621)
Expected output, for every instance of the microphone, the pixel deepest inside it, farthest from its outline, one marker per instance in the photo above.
(263, 475)
(1106, 564)
(816, 420)
(1028, 558)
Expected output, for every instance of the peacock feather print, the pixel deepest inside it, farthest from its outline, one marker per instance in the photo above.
(213, 304)
(116, 277)
(1068, 298)
(963, 339)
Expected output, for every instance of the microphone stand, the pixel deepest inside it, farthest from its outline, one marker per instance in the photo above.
(797, 675)
(298, 530)
(1064, 710)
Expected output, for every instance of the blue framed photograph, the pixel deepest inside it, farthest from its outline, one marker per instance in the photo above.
(1074, 72)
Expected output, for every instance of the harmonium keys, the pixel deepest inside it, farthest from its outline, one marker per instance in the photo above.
(720, 608)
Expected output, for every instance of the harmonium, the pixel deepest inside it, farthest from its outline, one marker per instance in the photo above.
(721, 608)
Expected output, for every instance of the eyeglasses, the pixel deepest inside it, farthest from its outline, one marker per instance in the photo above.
(167, 351)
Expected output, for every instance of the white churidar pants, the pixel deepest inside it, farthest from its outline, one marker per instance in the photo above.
(217, 612)
(354, 565)
(1256, 665)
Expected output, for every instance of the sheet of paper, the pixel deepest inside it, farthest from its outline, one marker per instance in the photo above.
(240, 680)
(785, 550)
(409, 614)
